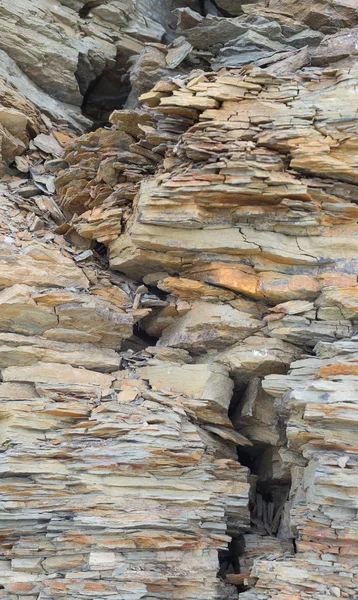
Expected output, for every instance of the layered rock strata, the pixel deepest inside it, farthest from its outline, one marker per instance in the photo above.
(249, 230)
(57, 52)
(320, 396)
(178, 328)
(102, 54)
(114, 482)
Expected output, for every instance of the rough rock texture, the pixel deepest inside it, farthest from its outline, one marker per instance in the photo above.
(102, 54)
(320, 395)
(57, 51)
(257, 196)
(113, 482)
(179, 300)
(250, 227)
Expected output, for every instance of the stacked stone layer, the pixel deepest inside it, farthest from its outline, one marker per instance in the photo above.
(178, 334)
(250, 228)
(112, 482)
(320, 394)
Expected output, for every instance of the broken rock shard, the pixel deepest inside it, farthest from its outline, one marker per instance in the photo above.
(179, 300)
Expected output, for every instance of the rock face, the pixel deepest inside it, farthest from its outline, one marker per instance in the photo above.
(257, 196)
(179, 300)
(125, 481)
(56, 51)
(323, 499)
(250, 226)
(102, 54)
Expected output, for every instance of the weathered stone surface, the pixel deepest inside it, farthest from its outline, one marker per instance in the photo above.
(36, 264)
(104, 54)
(325, 15)
(320, 395)
(255, 415)
(232, 258)
(338, 50)
(233, 7)
(61, 48)
(19, 123)
(206, 326)
(204, 382)
(59, 313)
(106, 466)
(261, 36)
(257, 356)
(23, 350)
(181, 422)
(189, 289)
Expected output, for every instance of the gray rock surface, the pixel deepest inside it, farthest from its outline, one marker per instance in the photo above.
(61, 49)
(178, 324)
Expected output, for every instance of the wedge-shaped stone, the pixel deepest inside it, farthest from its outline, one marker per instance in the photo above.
(201, 381)
(42, 372)
(257, 356)
(206, 326)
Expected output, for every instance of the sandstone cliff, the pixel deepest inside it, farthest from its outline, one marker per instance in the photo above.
(179, 300)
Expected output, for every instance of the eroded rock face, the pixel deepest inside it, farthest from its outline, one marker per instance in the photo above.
(249, 228)
(106, 463)
(56, 51)
(320, 394)
(266, 204)
(103, 54)
(178, 327)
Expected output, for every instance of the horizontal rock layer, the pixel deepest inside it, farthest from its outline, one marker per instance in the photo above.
(249, 227)
(178, 333)
(118, 478)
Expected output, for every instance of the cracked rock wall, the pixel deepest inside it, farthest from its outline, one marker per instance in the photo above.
(250, 227)
(178, 323)
(53, 51)
(113, 483)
